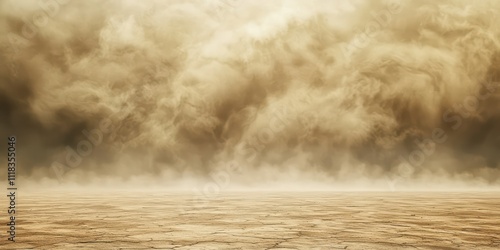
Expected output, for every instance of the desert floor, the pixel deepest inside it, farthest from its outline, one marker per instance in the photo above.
(143, 220)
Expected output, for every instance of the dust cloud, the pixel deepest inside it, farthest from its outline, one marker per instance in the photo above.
(251, 93)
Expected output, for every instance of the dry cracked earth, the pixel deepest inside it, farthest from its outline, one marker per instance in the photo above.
(141, 220)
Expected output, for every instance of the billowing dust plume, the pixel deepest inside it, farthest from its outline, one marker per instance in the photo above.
(253, 92)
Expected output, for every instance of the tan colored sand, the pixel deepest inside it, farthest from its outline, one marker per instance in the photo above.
(142, 220)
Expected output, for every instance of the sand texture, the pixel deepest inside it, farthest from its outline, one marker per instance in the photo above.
(141, 220)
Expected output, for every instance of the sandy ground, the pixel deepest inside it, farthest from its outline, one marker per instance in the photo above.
(142, 220)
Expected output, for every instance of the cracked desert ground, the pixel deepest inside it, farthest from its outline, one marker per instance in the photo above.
(320, 220)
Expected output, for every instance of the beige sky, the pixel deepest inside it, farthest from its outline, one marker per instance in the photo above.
(273, 93)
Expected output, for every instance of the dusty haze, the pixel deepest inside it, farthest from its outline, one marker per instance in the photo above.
(253, 93)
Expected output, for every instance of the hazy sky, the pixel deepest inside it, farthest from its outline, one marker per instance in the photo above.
(252, 92)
